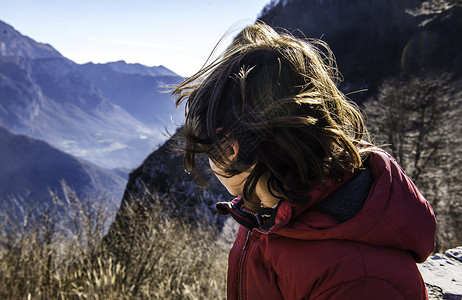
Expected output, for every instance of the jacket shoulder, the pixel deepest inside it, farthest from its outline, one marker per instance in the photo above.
(344, 269)
(362, 288)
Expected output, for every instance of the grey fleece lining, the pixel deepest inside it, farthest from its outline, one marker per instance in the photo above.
(347, 201)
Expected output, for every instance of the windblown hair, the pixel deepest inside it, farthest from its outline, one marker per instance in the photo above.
(277, 97)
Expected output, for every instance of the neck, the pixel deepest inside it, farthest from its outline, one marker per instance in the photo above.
(262, 192)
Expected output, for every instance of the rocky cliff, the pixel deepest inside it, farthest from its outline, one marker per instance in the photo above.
(373, 40)
(163, 172)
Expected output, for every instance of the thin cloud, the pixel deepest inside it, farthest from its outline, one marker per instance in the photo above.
(136, 43)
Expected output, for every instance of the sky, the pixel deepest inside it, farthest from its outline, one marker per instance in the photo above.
(178, 34)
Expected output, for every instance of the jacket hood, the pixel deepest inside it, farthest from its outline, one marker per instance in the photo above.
(394, 214)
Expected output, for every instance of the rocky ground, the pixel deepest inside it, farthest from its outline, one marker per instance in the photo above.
(442, 274)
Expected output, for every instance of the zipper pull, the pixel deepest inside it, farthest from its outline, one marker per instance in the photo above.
(247, 240)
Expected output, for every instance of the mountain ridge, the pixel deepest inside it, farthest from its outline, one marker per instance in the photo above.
(122, 86)
(136, 68)
(13, 43)
(52, 109)
(49, 97)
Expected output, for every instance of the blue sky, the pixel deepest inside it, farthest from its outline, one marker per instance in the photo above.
(178, 34)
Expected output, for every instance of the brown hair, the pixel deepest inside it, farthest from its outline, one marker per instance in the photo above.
(277, 97)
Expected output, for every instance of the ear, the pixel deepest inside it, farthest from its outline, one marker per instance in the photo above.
(234, 149)
(229, 146)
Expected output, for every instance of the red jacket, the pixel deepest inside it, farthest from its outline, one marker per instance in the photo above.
(303, 253)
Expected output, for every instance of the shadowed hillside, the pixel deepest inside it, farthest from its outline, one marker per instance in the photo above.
(31, 168)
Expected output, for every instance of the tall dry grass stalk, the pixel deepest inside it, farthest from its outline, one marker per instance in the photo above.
(55, 250)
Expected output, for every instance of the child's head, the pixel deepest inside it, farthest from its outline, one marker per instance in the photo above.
(270, 107)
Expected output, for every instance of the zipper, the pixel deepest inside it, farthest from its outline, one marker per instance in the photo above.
(241, 266)
(253, 214)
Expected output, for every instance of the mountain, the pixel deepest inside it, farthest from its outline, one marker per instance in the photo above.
(162, 175)
(114, 116)
(12, 43)
(48, 99)
(31, 167)
(123, 67)
(163, 172)
(368, 38)
(139, 90)
(373, 40)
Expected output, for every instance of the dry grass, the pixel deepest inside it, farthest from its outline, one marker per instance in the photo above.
(56, 251)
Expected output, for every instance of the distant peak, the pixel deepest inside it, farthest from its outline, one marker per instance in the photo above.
(137, 68)
(13, 43)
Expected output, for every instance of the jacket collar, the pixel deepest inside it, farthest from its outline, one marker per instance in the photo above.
(239, 212)
(281, 214)
(395, 214)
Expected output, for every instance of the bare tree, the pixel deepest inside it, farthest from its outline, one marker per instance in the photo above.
(431, 7)
(417, 119)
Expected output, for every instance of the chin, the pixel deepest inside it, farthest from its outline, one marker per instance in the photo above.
(234, 192)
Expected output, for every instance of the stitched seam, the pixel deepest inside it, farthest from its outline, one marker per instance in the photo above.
(285, 287)
(363, 277)
(362, 258)
(396, 228)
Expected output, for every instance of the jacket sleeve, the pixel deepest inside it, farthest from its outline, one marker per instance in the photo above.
(363, 288)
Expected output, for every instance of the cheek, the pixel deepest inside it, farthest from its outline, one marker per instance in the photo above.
(214, 168)
(217, 171)
(233, 184)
